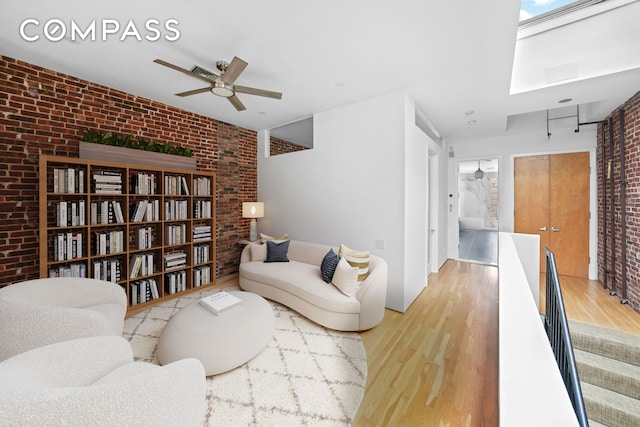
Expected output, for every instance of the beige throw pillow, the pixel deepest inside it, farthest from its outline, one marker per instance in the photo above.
(258, 251)
(357, 259)
(345, 278)
(267, 237)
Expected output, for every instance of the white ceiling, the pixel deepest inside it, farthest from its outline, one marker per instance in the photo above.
(450, 56)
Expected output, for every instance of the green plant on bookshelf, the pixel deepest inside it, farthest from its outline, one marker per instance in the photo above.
(128, 141)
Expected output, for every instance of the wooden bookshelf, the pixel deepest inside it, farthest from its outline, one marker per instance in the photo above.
(147, 228)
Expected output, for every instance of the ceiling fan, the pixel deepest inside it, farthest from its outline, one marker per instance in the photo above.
(222, 84)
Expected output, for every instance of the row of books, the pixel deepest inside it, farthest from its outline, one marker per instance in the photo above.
(201, 276)
(175, 260)
(106, 212)
(202, 209)
(176, 209)
(200, 254)
(145, 237)
(108, 269)
(201, 232)
(67, 246)
(175, 282)
(68, 180)
(175, 185)
(142, 265)
(107, 182)
(75, 269)
(142, 291)
(70, 213)
(71, 180)
(202, 186)
(175, 234)
(143, 183)
(145, 210)
(109, 242)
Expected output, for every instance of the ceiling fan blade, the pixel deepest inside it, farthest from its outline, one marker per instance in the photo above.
(194, 91)
(259, 92)
(182, 70)
(236, 103)
(236, 67)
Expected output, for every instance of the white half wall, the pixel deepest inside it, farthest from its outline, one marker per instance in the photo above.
(363, 184)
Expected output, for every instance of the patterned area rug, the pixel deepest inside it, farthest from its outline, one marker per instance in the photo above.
(307, 376)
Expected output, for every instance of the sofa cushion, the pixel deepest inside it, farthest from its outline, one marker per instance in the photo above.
(277, 251)
(328, 266)
(358, 259)
(345, 278)
(302, 280)
(258, 251)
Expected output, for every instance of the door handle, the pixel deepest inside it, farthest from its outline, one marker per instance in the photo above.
(542, 228)
(555, 229)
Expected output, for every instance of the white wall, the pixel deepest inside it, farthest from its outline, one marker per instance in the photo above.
(513, 145)
(364, 181)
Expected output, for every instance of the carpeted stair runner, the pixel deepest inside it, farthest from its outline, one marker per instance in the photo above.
(609, 369)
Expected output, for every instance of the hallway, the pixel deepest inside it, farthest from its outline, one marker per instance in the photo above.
(479, 246)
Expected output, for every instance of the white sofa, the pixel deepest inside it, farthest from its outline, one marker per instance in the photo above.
(95, 382)
(298, 284)
(44, 311)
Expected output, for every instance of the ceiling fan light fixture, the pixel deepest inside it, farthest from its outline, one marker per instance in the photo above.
(220, 88)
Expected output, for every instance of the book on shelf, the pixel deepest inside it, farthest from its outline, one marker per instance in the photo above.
(221, 302)
(68, 180)
(67, 246)
(202, 186)
(107, 269)
(68, 270)
(176, 282)
(142, 291)
(142, 265)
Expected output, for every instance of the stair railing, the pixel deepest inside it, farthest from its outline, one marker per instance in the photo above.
(557, 328)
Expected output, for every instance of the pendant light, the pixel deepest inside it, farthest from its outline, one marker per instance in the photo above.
(479, 173)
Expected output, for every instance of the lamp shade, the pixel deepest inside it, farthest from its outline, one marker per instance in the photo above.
(252, 209)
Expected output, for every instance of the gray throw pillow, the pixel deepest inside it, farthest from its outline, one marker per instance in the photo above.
(328, 266)
(277, 252)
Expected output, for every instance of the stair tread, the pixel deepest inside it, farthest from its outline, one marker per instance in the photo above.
(609, 373)
(610, 399)
(608, 342)
(607, 363)
(595, 424)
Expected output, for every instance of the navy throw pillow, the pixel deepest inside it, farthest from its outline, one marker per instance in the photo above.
(328, 266)
(277, 252)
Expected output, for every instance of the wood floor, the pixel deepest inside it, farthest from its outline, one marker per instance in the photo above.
(437, 364)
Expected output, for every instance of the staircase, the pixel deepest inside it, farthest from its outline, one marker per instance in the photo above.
(609, 369)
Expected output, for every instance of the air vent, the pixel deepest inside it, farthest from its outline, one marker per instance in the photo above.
(203, 72)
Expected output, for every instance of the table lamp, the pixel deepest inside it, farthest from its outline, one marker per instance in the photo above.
(253, 210)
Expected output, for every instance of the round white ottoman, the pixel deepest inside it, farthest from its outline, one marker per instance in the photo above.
(222, 342)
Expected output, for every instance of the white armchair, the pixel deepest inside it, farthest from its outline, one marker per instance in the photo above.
(44, 311)
(95, 382)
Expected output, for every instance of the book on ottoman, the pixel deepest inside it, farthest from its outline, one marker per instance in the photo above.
(220, 302)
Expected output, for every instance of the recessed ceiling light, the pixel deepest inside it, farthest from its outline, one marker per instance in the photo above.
(471, 122)
(562, 101)
(262, 112)
(469, 112)
(339, 84)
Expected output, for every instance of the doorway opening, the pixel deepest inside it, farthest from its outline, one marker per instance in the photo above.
(478, 182)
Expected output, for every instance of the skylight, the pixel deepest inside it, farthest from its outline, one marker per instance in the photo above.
(536, 10)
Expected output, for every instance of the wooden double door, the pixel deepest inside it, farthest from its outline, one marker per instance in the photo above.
(551, 199)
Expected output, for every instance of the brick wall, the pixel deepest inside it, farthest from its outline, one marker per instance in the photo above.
(610, 250)
(280, 146)
(46, 112)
